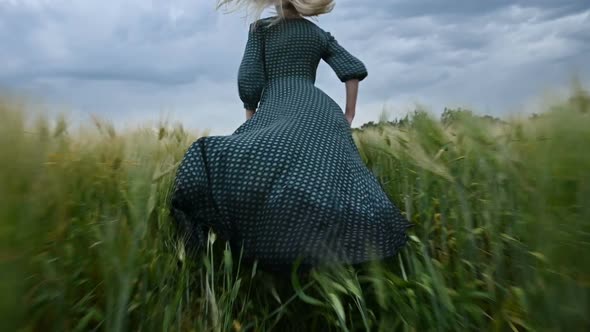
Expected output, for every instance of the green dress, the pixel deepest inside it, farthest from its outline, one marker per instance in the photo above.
(289, 183)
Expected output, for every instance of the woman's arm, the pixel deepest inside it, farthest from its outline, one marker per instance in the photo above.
(349, 70)
(352, 88)
(345, 65)
(251, 78)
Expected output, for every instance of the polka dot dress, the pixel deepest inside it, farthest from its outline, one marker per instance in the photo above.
(289, 183)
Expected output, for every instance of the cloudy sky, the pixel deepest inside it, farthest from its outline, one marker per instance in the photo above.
(134, 61)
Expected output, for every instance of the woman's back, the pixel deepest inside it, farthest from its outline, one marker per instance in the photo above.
(291, 48)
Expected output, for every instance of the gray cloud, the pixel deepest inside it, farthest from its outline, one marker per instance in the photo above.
(455, 9)
(132, 59)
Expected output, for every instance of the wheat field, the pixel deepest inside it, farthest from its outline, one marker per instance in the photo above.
(501, 209)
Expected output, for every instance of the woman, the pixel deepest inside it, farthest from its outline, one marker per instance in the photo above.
(289, 184)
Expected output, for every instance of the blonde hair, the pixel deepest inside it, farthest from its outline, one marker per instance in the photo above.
(285, 8)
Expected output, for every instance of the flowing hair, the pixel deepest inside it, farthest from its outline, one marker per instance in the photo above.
(305, 8)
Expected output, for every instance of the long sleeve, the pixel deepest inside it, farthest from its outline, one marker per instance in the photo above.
(345, 65)
(251, 78)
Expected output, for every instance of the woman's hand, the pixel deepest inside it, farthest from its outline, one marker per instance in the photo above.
(249, 114)
(349, 118)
